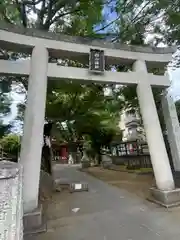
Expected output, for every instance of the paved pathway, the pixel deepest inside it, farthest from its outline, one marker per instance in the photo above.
(106, 213)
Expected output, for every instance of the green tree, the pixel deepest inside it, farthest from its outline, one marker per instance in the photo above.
(5, 103)
(55, 15)
(4, 129)
(78, 108)
(177, 104)
(10, 145)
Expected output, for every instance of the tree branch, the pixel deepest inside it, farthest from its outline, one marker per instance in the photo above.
(135, 19)
(32, 2)
(64, 14)
(49, 15)
(107, 25)
(5, 55)
(7, 19)
(24, 16)
(41, 14)
(22, 11)
(113, 21)
(58, 6)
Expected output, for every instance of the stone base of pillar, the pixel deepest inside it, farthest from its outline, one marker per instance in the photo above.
(85, 165)
(106, 161)
(85, 161)
(166, 199)
(34, 222)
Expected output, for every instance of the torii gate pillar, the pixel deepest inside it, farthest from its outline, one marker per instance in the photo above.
(157, 149)
(172, 127)
(32, 140)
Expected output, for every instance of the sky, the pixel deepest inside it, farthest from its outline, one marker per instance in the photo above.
(175, 84)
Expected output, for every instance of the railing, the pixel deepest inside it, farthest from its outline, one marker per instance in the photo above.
(133, 154)
(11, 206)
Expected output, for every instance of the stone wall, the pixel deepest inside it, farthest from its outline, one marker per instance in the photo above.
(137, 161)
(11, 205)
(118, 160)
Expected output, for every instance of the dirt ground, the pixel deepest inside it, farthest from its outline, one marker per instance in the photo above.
(135, 183)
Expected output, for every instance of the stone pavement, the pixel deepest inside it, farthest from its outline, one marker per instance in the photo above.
(105, 213)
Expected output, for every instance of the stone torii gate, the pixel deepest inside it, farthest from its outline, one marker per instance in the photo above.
(41, 45)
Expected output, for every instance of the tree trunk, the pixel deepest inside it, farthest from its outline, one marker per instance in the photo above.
(46, 159)
(99, 156)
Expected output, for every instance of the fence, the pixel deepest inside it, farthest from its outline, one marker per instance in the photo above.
(134, 154)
